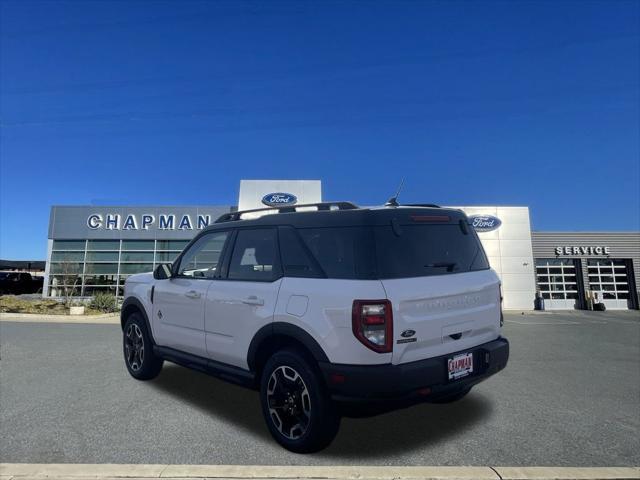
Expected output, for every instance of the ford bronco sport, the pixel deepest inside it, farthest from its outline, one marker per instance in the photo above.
(324, 308)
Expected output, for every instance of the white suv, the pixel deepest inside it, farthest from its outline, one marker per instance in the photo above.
(327, 310)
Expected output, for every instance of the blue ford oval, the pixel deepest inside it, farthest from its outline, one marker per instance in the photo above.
(484, 223)
(279, 198)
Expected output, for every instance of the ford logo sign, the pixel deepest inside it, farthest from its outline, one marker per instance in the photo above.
(484, 223)
(408, 333)
(277, 199)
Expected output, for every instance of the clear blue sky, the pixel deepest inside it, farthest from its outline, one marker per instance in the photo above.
(511, 103)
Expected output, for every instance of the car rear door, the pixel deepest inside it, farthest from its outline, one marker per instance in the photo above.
(244, 300)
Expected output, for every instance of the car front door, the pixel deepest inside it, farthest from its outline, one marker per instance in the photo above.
(244, 300)
(179, 301)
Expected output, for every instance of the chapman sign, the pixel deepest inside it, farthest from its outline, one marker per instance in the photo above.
(484, 223)
(146, 221)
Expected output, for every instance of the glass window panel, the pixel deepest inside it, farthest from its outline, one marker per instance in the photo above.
(103, 245)
(608, 271)
(171, 244)
(90, 291)
(572, 295)
(136, 267)
(68, 245)
(609, 295)
(67, 268)
(545, 287)
(136, 257)
(570, 279)
(56, 280)
(593, 278)
(557, 279)
(201, 260)
(92, 268)
(543, 278)
(120, 291)
(608, 287)
(100, 279)
(557, 296)
(618, 262)
(546, 295)
(138, 245)
(166, 257)
(555, 270)
(255, 255)
(67, 256)
(623, 295)
(102, 256)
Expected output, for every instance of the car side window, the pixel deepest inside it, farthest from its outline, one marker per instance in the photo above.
(255, 256)
(202, 258)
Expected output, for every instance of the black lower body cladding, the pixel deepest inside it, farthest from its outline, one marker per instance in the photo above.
(423, 380)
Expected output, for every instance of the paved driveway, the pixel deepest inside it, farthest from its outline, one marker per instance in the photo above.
(570, 396)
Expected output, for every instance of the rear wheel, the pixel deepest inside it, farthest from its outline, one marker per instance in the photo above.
(139, 358)
(296, 406)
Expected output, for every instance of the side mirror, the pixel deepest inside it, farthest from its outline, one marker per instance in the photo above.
(162, 271)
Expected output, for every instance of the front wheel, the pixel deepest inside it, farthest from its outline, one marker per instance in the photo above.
(296, 405)
(139, 358)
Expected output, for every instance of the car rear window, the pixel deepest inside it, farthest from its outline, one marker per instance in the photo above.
(372, 252)
(422, 250)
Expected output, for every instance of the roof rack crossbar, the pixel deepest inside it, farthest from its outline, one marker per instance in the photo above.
(321, 206)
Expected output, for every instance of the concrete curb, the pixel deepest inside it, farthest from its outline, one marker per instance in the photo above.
(23, 471)
(106, 318)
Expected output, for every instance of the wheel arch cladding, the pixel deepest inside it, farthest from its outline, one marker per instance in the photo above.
(130, 306)
(277, 335)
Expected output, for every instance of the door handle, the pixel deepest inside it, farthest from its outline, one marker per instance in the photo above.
(253, 300)
(192, 294)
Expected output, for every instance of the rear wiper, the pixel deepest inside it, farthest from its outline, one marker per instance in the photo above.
(448, 265)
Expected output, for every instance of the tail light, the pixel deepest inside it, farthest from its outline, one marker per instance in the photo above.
(372, 322)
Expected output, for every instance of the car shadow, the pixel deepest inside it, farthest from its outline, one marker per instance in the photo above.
(399, 431)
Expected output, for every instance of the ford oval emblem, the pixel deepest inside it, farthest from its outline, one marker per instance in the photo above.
(408, 333)
(484, 223)
(277, 199)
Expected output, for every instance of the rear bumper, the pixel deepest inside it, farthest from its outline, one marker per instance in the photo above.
(421, 380)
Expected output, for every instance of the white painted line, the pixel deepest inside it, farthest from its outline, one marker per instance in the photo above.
(112, 471)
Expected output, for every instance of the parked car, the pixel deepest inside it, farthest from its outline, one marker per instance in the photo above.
(328, 311)
(17, 283)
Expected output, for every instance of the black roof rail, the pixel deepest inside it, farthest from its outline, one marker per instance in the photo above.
(234, 216)
(431, 205)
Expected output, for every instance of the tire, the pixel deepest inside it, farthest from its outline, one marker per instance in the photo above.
(454, 397)
(137, 348)
(295, 403)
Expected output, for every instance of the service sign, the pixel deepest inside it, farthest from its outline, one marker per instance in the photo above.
(279, 199)
(484, 223)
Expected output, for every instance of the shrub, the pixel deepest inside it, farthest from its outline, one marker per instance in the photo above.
(104, 302)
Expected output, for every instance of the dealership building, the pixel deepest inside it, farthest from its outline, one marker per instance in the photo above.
(96, 248)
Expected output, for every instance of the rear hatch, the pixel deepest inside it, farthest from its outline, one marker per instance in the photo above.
(437, 277)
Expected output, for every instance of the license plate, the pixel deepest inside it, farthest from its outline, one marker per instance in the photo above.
(460, 365)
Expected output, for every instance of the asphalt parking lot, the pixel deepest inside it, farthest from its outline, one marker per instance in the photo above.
(570, 396)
